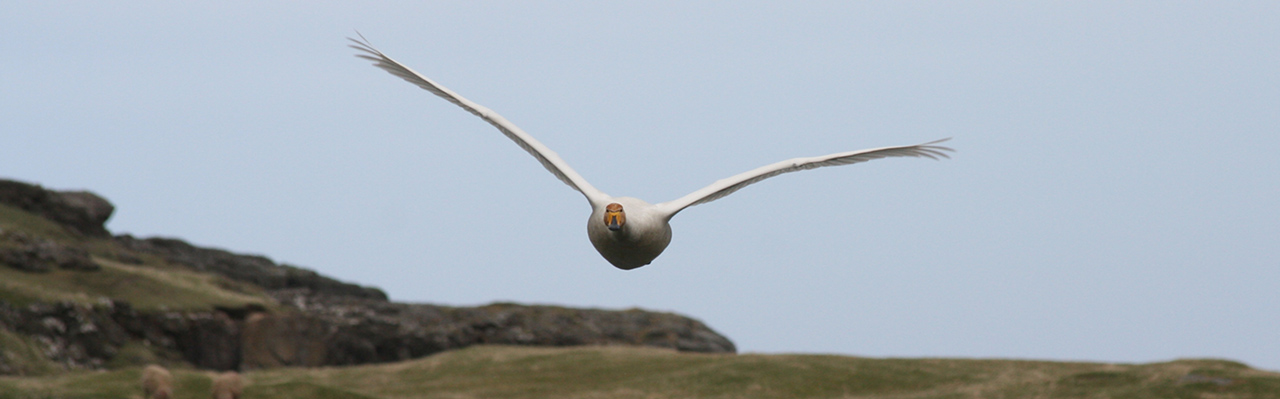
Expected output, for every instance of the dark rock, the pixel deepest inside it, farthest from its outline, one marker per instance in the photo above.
(284, 340)
(334, 331)
(80, 211)
(239, 313)
(78, 336)
(75, 336)
(33, 254)
(21, 259)
(210, 341)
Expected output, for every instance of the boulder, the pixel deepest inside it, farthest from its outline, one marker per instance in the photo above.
(81, 212)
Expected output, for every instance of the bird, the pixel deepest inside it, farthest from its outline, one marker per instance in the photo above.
(629, 232)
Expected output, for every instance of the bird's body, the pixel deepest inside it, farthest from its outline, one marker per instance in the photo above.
(637, 242)
(630, 232)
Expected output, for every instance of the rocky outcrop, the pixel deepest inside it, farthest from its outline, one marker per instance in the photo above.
(319, 321)
(79, 336)
(343, 330)
(86, 213)
(80, 211)
(33, 254)
(75, 337)
(334, 332)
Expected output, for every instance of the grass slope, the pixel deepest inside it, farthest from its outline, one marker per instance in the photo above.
(523, 372)
(12, 218)
(626, 372)
(151, 285)
(144, 287)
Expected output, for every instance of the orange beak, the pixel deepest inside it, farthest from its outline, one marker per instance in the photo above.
(614, 217)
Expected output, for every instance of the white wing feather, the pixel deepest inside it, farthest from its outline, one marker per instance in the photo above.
(548, 158)
(724, 187)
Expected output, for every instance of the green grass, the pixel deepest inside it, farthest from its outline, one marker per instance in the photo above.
(15, 219)
(188, 384)
(628, 372)
(23, 355)
(146, 288)
(152, 285)
(299, 389)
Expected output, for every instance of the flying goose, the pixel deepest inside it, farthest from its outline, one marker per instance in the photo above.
(630, 232)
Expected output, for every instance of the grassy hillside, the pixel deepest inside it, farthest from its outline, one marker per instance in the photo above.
(147, 287)
(628, 372)
(145, 281)
(12, 218)
(150, 284)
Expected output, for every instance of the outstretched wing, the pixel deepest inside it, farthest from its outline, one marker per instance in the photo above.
(548, 158)
(724, 187)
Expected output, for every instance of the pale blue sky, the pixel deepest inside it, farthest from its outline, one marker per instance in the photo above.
(1113, 198)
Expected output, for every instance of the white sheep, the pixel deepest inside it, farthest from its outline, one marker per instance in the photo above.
(227, 385)
(157, 383)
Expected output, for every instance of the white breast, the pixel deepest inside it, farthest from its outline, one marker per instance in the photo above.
(642, 238)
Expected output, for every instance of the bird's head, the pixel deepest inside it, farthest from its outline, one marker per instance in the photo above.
(614, 217)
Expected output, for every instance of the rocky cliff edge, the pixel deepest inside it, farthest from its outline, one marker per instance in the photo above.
(300, 318)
